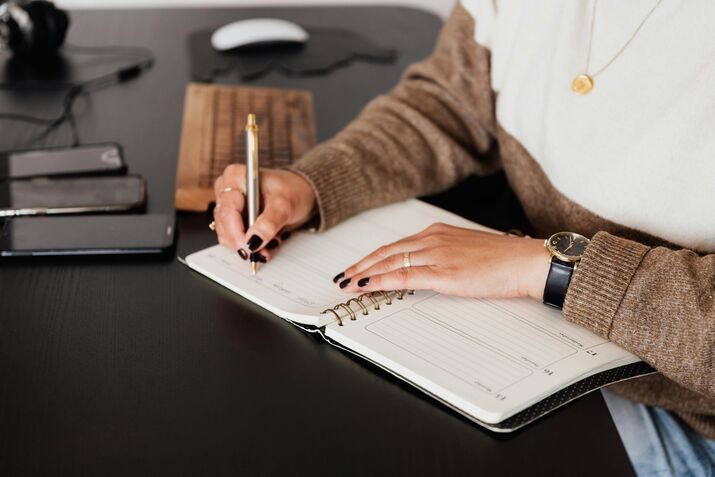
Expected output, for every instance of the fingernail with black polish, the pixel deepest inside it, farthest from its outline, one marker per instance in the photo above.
(254, 242)
(345, 283)
(363, 281)
(272, 244)
(257, 257)
(285, 235)
(338, 277)
(242, 253)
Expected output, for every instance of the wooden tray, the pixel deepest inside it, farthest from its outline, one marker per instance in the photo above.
(212, 135)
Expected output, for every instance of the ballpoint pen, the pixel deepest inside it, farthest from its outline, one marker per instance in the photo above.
(253, 195)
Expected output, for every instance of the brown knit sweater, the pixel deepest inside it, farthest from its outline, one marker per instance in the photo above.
(437, 126)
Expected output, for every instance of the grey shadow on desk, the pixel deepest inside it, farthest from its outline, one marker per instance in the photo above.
(326, 50)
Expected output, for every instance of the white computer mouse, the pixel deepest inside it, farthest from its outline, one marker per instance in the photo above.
(257, 31)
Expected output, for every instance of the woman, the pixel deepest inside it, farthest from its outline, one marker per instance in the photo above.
(601, 115)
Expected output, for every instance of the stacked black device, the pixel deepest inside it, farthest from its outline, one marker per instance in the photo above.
(76, 201)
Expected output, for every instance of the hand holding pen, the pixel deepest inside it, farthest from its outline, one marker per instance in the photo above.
(288, 201)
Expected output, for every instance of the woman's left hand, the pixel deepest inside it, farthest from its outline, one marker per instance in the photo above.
(454, 261)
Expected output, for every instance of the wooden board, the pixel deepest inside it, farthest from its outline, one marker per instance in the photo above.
(212, 135)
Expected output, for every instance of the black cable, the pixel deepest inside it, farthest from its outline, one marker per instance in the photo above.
(67, 115)
(75, 90)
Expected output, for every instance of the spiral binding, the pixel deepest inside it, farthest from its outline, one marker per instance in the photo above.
(375, 300)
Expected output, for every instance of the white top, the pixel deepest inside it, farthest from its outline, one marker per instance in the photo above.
(639, 150)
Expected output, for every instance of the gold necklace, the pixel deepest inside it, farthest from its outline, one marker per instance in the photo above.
(583, 83)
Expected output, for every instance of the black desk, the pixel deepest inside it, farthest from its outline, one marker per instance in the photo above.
(116, 367)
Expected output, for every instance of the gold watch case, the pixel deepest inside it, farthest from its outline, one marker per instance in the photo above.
(566, 246)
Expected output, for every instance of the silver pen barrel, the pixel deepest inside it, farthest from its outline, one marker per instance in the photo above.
(253, 195)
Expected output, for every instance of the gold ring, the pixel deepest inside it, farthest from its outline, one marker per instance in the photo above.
(229, 189)
(212, 226)
(406, 260)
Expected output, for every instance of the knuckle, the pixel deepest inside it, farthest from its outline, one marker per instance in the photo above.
(402, 275)
(382, 252)
(269, 224)
(432, 240)
(440, 255)
(435, 251)
(229, 171)
(385, 266)
(234, 198)
(281, 204)
(271, 177)
(218, 185)
(233, 170)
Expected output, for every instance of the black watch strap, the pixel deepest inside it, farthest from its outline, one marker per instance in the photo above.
(557, 283)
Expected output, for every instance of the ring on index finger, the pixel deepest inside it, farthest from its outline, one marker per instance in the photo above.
(229, 189)
(406, 260)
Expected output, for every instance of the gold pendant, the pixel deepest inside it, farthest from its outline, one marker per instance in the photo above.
(582, 84)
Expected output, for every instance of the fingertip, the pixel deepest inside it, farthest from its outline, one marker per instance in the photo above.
(257, 257)
(254, 242)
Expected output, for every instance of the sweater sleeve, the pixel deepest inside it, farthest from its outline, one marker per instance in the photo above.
(655, 302)
(432, 130)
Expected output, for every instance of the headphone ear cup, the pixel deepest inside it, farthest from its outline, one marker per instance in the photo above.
(49, 26)
(38, 40)
(13, 37)
(58, 22)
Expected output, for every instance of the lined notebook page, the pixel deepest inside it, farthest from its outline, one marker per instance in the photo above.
(297, 283)
(489, 358)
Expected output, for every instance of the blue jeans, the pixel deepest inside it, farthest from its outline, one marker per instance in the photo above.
(656, 441)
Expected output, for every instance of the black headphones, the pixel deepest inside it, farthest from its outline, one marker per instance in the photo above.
(32, 27)
(35, 30)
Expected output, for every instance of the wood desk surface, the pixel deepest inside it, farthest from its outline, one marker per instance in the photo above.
(135, 367)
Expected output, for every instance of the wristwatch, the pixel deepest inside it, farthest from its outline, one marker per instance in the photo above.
(566, 249)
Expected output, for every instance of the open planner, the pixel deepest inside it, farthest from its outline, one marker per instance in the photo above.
(500, 362)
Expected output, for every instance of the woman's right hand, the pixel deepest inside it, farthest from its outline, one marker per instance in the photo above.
(287, 202)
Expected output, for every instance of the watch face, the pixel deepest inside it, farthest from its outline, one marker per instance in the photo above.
(568, 245)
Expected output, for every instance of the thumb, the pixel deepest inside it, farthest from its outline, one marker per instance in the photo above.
(267, 226)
